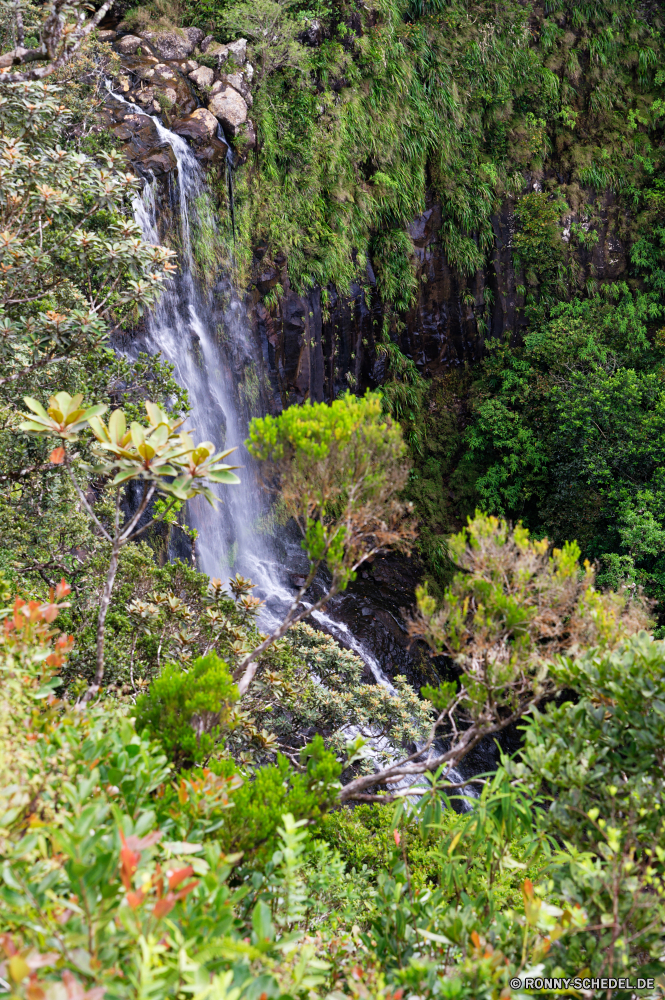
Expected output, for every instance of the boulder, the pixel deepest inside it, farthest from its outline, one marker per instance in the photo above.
(170, 94)
(201, 126)
(215, 152)
(248, 70)
(144, 96)
(195, 35)
(189, 65)
(216, 87)
(230, 109)
(238, 50)
(219, 50)
(169, 44)
(238, 82)
(202, 77)
(164, 73)
(107, 36)
(128, 44)
(205, 42)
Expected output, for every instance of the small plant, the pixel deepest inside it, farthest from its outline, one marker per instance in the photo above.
(510, 614)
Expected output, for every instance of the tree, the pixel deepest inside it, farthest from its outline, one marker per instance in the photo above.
(71, 262)
(596, 763)
(510, 614)
(64, 28)
(164, 459)
(338, 471)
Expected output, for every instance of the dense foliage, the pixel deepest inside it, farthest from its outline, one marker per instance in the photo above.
(180, 827)
(123, 878)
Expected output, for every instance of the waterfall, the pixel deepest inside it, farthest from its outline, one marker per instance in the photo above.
(180, 328)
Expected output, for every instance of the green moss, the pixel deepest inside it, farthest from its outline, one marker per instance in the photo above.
(405, 100)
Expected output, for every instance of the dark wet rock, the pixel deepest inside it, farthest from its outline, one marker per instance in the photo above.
(201, 128)
(137, 65)
(267, 280)
(206, 42)
(315, 33)
(107, 36)
(141, 142)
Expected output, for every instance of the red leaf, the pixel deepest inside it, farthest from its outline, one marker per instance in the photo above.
(164, 906)
(185, 889)
(135, 899)
(7, 945)
(57, 456)
(175, 878)
(397, 837)
(129, 861)
(140, 843)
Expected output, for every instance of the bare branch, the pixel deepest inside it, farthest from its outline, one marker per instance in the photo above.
(57, 46)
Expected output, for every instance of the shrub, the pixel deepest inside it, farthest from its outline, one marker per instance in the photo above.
(187, 710)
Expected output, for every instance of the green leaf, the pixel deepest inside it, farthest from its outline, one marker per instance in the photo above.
(222, 476)
(262, 922)
(35, 406)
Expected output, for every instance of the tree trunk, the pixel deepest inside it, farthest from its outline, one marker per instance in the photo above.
(101, 620)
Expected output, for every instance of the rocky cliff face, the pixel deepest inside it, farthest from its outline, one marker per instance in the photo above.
(314, 353)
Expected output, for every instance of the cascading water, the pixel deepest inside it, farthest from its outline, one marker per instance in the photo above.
(180, 329)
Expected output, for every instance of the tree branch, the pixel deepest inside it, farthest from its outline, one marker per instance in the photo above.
(410, 766)
(51, 37)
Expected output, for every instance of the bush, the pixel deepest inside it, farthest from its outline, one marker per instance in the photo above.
(187, 710)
